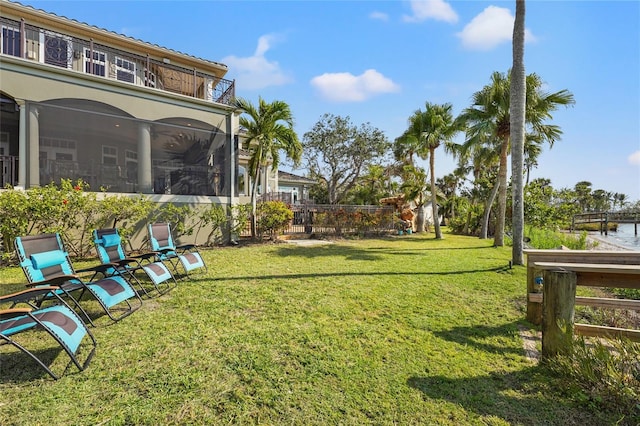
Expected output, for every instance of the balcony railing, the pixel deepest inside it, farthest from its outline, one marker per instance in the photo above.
(8, 170)
(44, 46)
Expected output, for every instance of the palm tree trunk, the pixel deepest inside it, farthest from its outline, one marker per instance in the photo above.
(484, 230)
(498, 238)
(434, 203)
(517, 107)
(254, 205)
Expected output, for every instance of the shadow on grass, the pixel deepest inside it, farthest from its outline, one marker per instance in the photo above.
(346, 274)
(353, 253)
(476, 336)
(499, 394)
(16, 366)
(492, 396)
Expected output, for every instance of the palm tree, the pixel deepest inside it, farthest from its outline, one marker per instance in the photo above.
(268, 130)
(488, 122)
(427, 130)
(517, 129)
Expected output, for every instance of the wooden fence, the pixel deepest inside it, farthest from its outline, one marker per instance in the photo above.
(552, 278)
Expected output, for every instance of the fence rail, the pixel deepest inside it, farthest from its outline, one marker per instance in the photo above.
(604, 218)
(552, 277)
(339, 220)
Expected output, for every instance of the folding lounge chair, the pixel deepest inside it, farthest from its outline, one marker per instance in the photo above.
(44, 261)
(111, 251)
(162, 243)
(58, 319)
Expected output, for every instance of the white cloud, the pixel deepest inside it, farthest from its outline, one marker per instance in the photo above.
(379, 16)
(491, 27)
(439, 10)
(634, 159)
(257, 72)
(346, 87)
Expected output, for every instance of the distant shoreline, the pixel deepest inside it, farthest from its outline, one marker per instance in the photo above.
(604, 244)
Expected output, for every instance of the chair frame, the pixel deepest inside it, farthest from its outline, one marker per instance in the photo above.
(67, 279)
(128, 265)
(23, 319)
(162, 243)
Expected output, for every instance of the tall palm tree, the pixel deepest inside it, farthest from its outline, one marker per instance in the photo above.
(268, 130)
(517, 106)
(488, 121)
(428, 130)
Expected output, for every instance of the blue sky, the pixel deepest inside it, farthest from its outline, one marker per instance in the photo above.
(379, 61)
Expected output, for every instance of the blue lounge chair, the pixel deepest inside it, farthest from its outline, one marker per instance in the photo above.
(163, 244)
(111, 251)
(44, 261)
(57, 319)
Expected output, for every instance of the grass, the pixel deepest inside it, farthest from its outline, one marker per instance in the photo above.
(404, 330)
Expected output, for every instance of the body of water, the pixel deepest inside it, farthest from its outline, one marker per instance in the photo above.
(624, 237)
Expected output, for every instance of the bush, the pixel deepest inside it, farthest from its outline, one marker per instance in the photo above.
(272, 217)
(546, 239)
(603, 377)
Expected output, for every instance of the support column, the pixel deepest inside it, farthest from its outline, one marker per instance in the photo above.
(33, 148)
(145, 185)
(22, 144)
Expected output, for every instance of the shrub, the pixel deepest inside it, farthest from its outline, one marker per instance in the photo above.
(273, 217)
(547, 239)
(602, 376)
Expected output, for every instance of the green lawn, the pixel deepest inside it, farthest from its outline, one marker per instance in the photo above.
(404, 330)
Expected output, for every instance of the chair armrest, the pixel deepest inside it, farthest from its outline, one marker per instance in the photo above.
(53, 281)
(186, 247)
(28, 294)
(14, 312)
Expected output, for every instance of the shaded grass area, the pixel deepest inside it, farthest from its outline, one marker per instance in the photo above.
(405, 330)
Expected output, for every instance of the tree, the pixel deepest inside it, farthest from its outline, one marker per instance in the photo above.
(488, 122)
(268, 130)
(427, 130)
(337, 153)
(517, 133)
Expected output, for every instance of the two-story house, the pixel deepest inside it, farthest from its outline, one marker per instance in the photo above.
(123, 115)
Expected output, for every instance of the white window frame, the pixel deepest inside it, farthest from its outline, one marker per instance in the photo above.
(53, 146)
(120, 63)
(86, 54)
(14, 30)
(110, 155)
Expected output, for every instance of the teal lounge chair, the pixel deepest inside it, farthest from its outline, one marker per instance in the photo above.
(44, 261)
(57, 319)
(111, 251)
(163, 244)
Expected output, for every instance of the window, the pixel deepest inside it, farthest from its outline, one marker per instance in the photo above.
(242, 180)
(58, 149)
(57, 50)
(131, 165)
(99, 64)
(109, 155)
(11, 41)
(125, 70)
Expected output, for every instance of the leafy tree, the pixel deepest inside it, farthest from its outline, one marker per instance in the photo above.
(488, 122)
(375, 184)
(268, 130)
(337, 153)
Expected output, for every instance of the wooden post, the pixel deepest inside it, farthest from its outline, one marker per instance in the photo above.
(559, 299)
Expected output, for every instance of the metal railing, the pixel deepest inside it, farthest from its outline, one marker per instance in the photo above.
(41, 45)
(8, 170)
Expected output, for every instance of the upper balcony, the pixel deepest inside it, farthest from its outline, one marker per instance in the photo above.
(46, 46)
